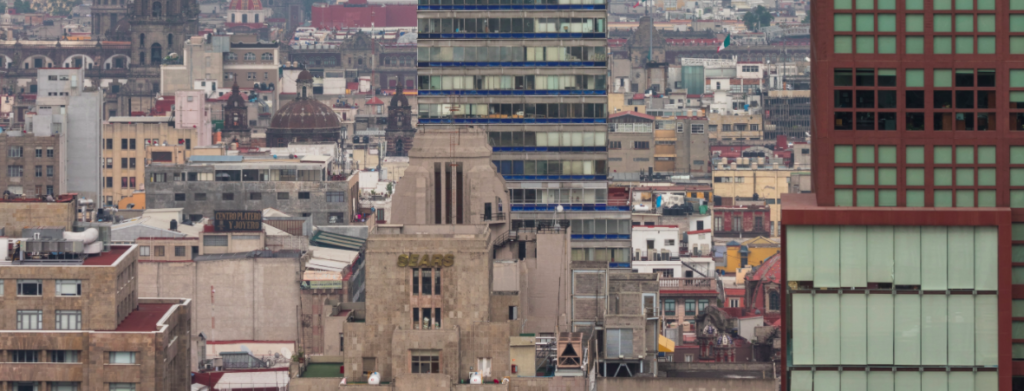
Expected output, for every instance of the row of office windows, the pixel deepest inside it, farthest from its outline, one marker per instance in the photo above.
(19, 151)
(546, 139)
(513, 110)
(510, 25)
(63, 288)
(332, 196)
(513, 53)
(502, 82)
(240, 176)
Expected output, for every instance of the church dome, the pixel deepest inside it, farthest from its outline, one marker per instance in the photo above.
(245, 5)
(305, 112)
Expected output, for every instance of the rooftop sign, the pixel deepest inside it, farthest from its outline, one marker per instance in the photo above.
(232, 221)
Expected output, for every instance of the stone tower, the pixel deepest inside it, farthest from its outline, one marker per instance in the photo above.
(399, 132)
(236, 121)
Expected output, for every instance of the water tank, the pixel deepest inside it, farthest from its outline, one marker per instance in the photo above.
(475, 378)
(760, 160)
(374, 379)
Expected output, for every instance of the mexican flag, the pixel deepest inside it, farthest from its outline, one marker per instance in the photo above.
(638, 3)
(726, 43)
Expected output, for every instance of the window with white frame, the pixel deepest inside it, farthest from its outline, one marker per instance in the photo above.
(69, 320)
(30, 319)
(144, 251)
(670, 242)
(30, 287)
(122, 357)
(426, 361)
(734, 303)
(69, 288)
(122, 386)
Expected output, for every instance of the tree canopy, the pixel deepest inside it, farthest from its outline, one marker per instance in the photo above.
(757, 17)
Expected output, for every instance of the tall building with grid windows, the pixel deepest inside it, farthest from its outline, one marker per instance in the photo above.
(533, 74)
(900, 267)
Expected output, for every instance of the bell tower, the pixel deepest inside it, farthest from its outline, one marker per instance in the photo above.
(156, 29)
(236, 121)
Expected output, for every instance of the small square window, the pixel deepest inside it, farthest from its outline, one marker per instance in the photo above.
(1016, 45)
(965, 154)
(843, 44)
(942, 23)
(986, 154)
(865, 22)
(942, 78)
(887, 176)
(965, 23)
(915, 177)
(914, 4)
(887, 198)
(843, 176)
(887, 154)
(964, 45)
(915, 198)
(866, 176)
(965, 198)
(865, 44)
(303, 195)
(915, 154)
(865, 154)
(986, 45)
(844, 153)
(282, 195)
(943, 199)
(915, 78)
(943, 177)
(941, 4)
(887, 23)
(843, 23)
(844, 197)
(842, 4)
(865, 198)
(942, 155)
(986, 198)
(965, 177)
(987, 177)
(915, 23)
(942, 45)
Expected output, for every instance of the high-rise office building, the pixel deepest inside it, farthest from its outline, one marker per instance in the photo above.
(533, 74)
(900, 267)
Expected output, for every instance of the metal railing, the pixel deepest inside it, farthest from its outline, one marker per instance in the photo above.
(683, 284)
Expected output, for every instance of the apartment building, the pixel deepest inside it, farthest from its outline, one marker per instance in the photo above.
(131, 143)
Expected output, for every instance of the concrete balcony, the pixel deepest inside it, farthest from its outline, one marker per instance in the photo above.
(687, 284)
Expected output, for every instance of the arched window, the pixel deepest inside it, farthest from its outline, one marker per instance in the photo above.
(156, 54)
(232, 56)
(170, 40)
(157, 8)
(267, 57)
(773, 300)
(245, 18)
(142, 40)
(250, 56)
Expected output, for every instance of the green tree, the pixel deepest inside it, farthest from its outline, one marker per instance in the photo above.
(757, 18)
(23, 7)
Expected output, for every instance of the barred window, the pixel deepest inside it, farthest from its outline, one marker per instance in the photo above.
(335, 196)
(215, 240)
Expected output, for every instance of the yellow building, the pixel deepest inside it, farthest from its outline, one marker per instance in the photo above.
(734, 127)
(752, 253)
(130, 144)
(740, 184)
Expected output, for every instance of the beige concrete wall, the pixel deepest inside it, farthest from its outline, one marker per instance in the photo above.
(720, 134)
(14, 216)
(139, 132)
(627, 154)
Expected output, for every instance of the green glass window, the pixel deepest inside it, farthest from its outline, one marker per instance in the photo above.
(915, 23)
(1016, 155)
(942, 45)
(843, 22)
(1016, 97)
(915, 198)
(915, 77)
(887, 45)
(865, 198)
(942, 199)
(916, 4)
(843, 4)
(844, 176)
(965, 23)
(1017, 177)
(887, 154)
(887, 198)
(987, 198)
(1017, 5)
(1016, 45)
(941, 4)
(965, 198)
(844, 154)
(915, 177)
(942, 23)
(986, 5)
(866, 176)
(915, 45)
(866, 22)
(942, 78)
(887, 176)
(844, 197)
(965, 177)
(986, 177)
(987, 45)
(986, 23)
(886, 4)
(964, 4)
(964, 45)
(1016, 198)
(865, 44)
(1017, 309)
(986, 154)
(865, 154)
(843, 44)
(965, 154)
(887, 23)
(1016, 23)
(865, 4)
(1017, 78)
(1018, 278)
(942, 177)
(943, 155)
(915, 154)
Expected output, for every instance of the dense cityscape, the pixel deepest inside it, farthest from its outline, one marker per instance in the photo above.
(514, 195)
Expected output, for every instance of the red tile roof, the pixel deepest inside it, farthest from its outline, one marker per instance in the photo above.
(632, 113)
(144, 318)
(770, 270)
(106, 259)
(375, 101)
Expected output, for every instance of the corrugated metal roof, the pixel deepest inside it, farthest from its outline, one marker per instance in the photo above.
(333, 240)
